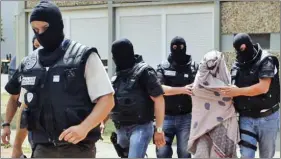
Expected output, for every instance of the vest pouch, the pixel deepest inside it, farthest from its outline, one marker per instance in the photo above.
(30, 99)
(126, 102)
(75, 116)
(24, 119)
(30, 119)
(71, 83)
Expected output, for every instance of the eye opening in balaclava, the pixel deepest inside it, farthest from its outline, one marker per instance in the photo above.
(244, 47)
(48, 12)
(123, 54)
(178, 50)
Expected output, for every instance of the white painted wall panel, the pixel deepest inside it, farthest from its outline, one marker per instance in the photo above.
(91, 32)
(145, 34)
(195, 28)
(151, 28)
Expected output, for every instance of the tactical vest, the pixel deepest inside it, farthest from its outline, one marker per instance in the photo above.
(57, 97)
(178, 104)
(133, 105)
(248, 76)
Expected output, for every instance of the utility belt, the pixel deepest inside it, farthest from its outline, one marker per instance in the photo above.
(259, 114)
(176, 113)
(119, 124)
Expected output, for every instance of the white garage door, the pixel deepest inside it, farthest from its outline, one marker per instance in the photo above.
(196, 29)
(151, 29)
(145, 34)
(88, 27)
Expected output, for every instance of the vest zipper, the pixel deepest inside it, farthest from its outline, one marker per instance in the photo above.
(50, 116)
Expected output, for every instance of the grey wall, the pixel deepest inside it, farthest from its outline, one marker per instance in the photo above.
(275, 41)
(226, 43)
(227, 40)
(8, 11)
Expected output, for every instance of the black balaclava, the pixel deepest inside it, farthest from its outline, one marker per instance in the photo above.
(249, 53)
(178, 53)
(52, 38)
(48, 12)
(34, 37)
(123, 54)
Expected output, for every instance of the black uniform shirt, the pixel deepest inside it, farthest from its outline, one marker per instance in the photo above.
(149, 81)
(14, 84)
(267, 69)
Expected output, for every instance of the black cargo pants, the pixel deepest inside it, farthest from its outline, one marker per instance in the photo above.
(64, 151)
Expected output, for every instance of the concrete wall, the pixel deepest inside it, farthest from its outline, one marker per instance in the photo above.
(71, 3)
(68, 3)
(250, 17)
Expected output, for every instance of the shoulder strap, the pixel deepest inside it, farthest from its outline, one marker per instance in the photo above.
(139, 68)
(265, 55)
(78, 52)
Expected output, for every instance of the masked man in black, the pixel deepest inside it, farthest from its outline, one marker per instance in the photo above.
(138, 97)
(176, 76)
(256, 92)
(12, 108)
(60, 88)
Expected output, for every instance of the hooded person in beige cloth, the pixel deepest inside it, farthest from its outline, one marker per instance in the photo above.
(214, 130)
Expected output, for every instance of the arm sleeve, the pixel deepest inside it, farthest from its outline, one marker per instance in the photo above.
(14, 84)
(97, 80)
(150, 82)
(160, 75)
(267, 69)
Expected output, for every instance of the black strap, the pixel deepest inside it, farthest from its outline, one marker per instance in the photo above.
(139, 68)
(252, 114)
(250, 134)
(247, 144)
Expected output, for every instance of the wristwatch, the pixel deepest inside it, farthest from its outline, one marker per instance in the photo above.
(5, 124)
(159, 130)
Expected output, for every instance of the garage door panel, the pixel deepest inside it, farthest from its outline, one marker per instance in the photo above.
(145, 34)
(91, 32)
(196, 29)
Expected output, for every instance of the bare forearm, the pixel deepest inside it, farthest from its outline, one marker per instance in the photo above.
(159, 109)
(99, 113)
(20, 133)
(169, 91)
(20, 137)
(105, 120)
(11, 110)
(252, 90)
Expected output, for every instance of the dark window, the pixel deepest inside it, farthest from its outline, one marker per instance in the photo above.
(104, 62)
(263, 39)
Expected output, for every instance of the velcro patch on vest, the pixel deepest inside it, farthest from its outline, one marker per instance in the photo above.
(186, 75)
(28, 81)
(169, 73)
(56, 78)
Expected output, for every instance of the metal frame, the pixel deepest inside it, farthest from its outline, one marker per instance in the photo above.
(111, 36)
(217, 24)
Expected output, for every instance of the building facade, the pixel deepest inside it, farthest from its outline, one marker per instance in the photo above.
(150, 25)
